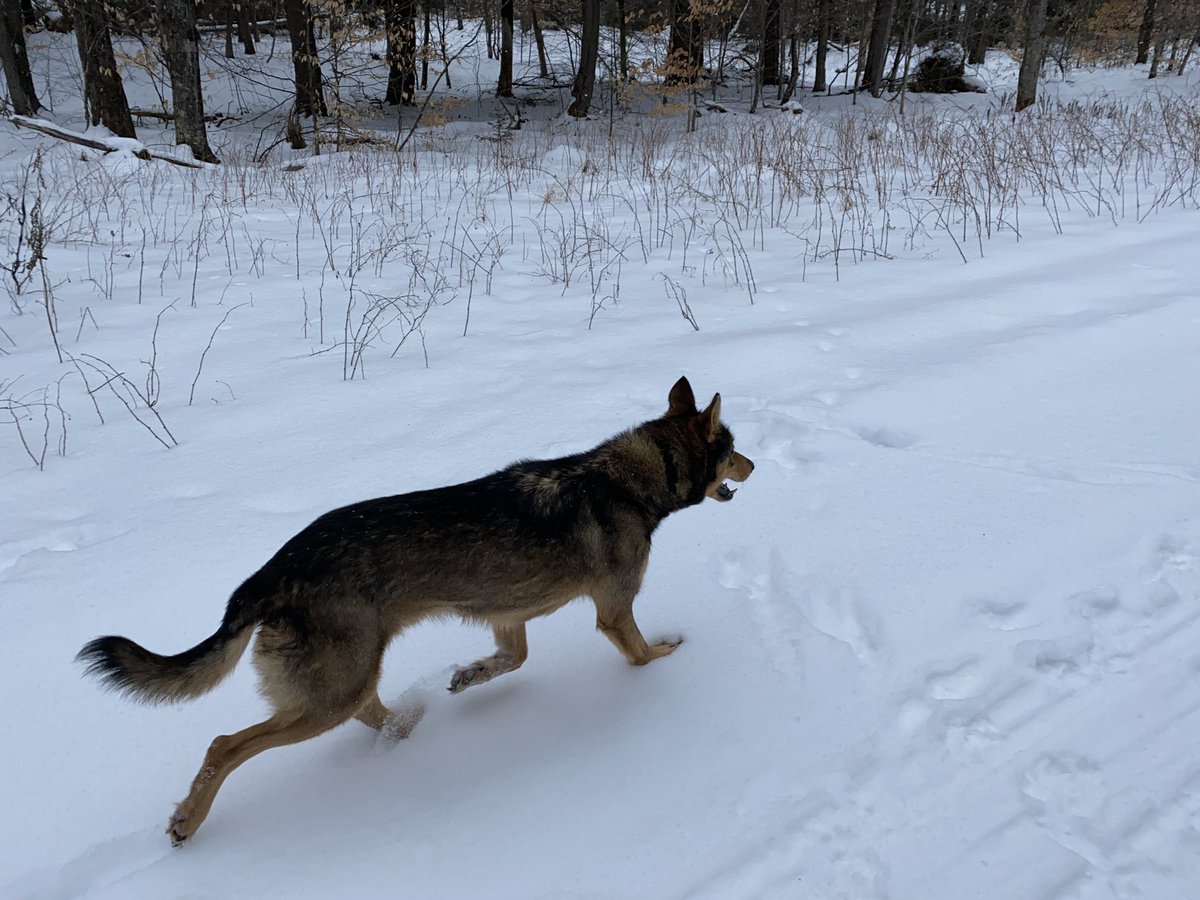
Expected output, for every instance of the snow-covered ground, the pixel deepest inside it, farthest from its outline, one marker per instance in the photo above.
(944, 645)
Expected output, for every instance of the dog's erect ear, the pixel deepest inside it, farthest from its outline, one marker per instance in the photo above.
(711, 418)
(682, 402)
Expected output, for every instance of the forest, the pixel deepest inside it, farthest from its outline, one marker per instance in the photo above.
(684, 47)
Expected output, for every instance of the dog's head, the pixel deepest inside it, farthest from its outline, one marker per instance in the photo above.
(723, 463)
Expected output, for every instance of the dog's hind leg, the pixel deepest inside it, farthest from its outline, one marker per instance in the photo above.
(227, 752)
(511, 651)
(314, 684)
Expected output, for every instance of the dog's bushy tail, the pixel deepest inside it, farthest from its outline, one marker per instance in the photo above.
(148, 677)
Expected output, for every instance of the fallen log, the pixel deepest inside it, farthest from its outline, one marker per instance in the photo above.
(104, 145)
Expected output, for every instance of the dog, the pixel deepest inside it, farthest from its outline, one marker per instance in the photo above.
(500, 550)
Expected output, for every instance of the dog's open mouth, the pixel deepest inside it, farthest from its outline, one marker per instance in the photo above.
(724, 492)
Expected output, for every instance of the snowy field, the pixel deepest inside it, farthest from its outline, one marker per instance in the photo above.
(944, 645)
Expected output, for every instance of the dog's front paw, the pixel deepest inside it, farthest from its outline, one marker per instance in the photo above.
(178, 829)
(663, 647)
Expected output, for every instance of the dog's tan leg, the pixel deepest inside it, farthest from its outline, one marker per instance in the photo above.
(393, 726)
(623, 631)
(229, 751)
(511, 651)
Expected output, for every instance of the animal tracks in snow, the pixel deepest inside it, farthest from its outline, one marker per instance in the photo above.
(961, 681)
(1002, 614)
(1116, 816)
(62, 538)
(787, 609)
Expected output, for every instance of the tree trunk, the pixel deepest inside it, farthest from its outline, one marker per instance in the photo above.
(540, 40)
(1156, 59)
(881, 26)
(489, 28)
(504, 87)
(1145, 32)
(978, 35)
(1035, 49)
(819, 66)
(425, 51)
(685, 47)
(401, 28)
(589, 54)
(229, 19)
(1187, 54)
(15, 59)
(181, 48)
(102, 88)
(772, 12)
(794, 70)
(310, 95)
(241, 15)
(623, 40)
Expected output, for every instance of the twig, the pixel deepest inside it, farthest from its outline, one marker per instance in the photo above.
(208, 346)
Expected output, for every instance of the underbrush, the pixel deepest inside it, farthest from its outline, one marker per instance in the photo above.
(379, 243)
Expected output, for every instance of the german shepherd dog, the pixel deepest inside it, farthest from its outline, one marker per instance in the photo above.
(500, 550)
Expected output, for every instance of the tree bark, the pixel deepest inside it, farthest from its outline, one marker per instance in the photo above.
(1156, 59)
(1145, 32)
(977, 31)
(1035, 50)
(504, 87)
(310, 95)
(589, 54)
(881, 26)
(540, 40)
(15, 59)
(181, 49)
(772, 13)
(104, 94)
(907, 14)
(623, 40)
(426, 44)
(241, 15)
(401, 27)
(820, 63)
(794, 70)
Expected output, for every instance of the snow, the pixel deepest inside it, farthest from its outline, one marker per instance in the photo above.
(944, 644)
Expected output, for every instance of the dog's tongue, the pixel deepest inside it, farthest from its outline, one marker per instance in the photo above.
(725, 492)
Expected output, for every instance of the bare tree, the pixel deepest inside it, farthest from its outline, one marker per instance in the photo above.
(15, 59)
(504, 87)
(310, 94)
(540, 40)
(977, 35)
(881, 26)
(241, 17)
(181, 48)
(1145, 32)
(1035, 51)
(401, 27)
(771, 41)
(104, 94)
(589, 55)
(820, 64)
